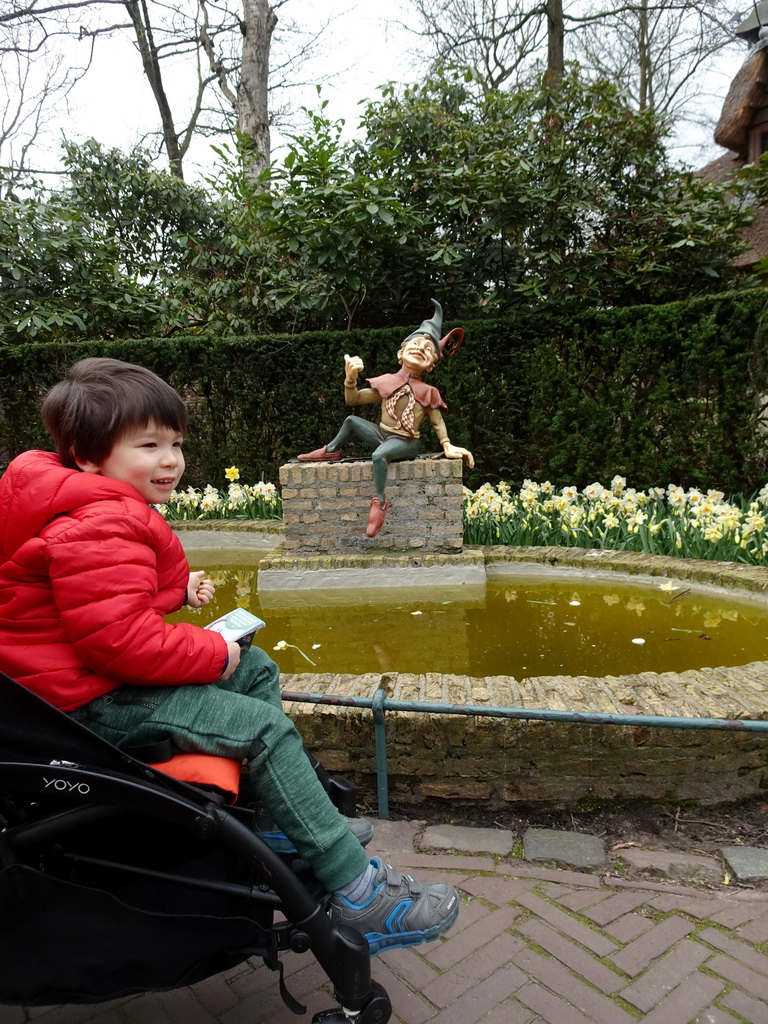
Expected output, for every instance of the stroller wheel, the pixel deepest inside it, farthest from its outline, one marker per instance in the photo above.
(377, 1010)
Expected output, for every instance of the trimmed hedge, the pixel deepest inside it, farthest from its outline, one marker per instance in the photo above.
(658, 394)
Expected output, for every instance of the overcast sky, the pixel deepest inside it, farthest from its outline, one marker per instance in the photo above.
(365, 46)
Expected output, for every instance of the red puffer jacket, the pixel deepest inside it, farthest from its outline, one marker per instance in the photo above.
(87, 572)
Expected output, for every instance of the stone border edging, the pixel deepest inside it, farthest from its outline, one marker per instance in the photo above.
(753, 578)
(227, 525)
(236, 534)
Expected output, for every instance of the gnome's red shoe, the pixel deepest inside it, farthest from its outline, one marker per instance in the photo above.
(320, 455)
(376, 516)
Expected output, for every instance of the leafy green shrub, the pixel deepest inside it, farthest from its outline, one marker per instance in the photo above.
(653, 393)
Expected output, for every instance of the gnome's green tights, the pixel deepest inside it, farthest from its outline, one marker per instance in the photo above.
(386, 447)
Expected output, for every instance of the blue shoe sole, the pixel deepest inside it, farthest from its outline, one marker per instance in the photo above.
(379, 943)
(278, 842)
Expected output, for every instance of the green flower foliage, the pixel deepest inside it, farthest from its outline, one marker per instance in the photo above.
(660, 521)
(238, 501)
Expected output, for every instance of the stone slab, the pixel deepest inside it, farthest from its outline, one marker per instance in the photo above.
(468, 840)
(672, 864)
(458, 574)
(283, 571)
(391, 839)
(746, 863)
(573, 849)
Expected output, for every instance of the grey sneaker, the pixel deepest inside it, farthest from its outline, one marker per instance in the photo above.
(400, 912)
(361, 829)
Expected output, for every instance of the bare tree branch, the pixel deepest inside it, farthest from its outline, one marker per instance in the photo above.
(34, 81)
(216, 65)
(498, 40)
(142, 25)
(24, 12)
(653, 48)
(204, 40)
(655, 51)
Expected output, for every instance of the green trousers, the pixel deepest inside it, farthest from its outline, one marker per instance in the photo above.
(241, 718)
(387, 447)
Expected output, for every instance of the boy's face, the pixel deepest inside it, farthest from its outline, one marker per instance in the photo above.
(148, 458)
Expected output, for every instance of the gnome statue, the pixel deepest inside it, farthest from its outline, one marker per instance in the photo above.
(405, 400)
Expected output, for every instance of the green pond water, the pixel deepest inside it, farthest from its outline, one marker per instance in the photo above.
(528, 624)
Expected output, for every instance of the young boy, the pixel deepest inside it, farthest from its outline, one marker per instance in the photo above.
(88, 569)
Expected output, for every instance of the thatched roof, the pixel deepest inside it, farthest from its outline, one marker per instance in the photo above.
(756, 235)
(746, 95)
(745, 108)
(722, 169)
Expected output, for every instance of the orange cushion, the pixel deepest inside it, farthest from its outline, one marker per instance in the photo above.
(204, 769)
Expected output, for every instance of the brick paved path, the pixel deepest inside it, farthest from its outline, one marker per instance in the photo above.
(531, 945)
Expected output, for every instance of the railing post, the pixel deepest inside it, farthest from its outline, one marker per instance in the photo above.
(380, 739)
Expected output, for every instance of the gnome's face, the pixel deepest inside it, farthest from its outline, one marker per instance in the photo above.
(418, 355)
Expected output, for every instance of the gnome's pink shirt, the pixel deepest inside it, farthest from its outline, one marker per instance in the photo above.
(425, 394)
(428, 402)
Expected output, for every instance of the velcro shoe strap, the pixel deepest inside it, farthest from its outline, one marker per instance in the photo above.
(395, 879)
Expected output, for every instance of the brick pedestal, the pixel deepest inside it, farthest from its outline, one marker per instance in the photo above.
(325, 506)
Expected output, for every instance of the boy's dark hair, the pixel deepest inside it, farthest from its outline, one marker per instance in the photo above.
(102, 399)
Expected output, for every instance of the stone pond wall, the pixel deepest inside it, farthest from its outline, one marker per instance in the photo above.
(496, 763)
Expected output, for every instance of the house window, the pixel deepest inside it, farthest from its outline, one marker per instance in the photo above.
(758, 142)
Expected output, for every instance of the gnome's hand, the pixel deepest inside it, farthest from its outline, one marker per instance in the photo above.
(352, 367)
(452, 451)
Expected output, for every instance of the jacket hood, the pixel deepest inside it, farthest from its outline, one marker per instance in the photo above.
(36, 487)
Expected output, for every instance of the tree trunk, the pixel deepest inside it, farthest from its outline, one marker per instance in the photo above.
(252, 108)
(555, 37)
(645, 95)
(149, 58)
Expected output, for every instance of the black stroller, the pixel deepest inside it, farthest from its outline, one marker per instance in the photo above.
(116, 878)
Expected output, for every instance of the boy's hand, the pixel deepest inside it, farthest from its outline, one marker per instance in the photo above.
(233, 652)
(199, 590)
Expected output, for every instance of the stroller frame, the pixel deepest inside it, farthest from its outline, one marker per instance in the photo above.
(116, 878)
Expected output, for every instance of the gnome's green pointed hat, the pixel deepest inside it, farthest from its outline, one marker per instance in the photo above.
(431, 327)
(447, 346)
